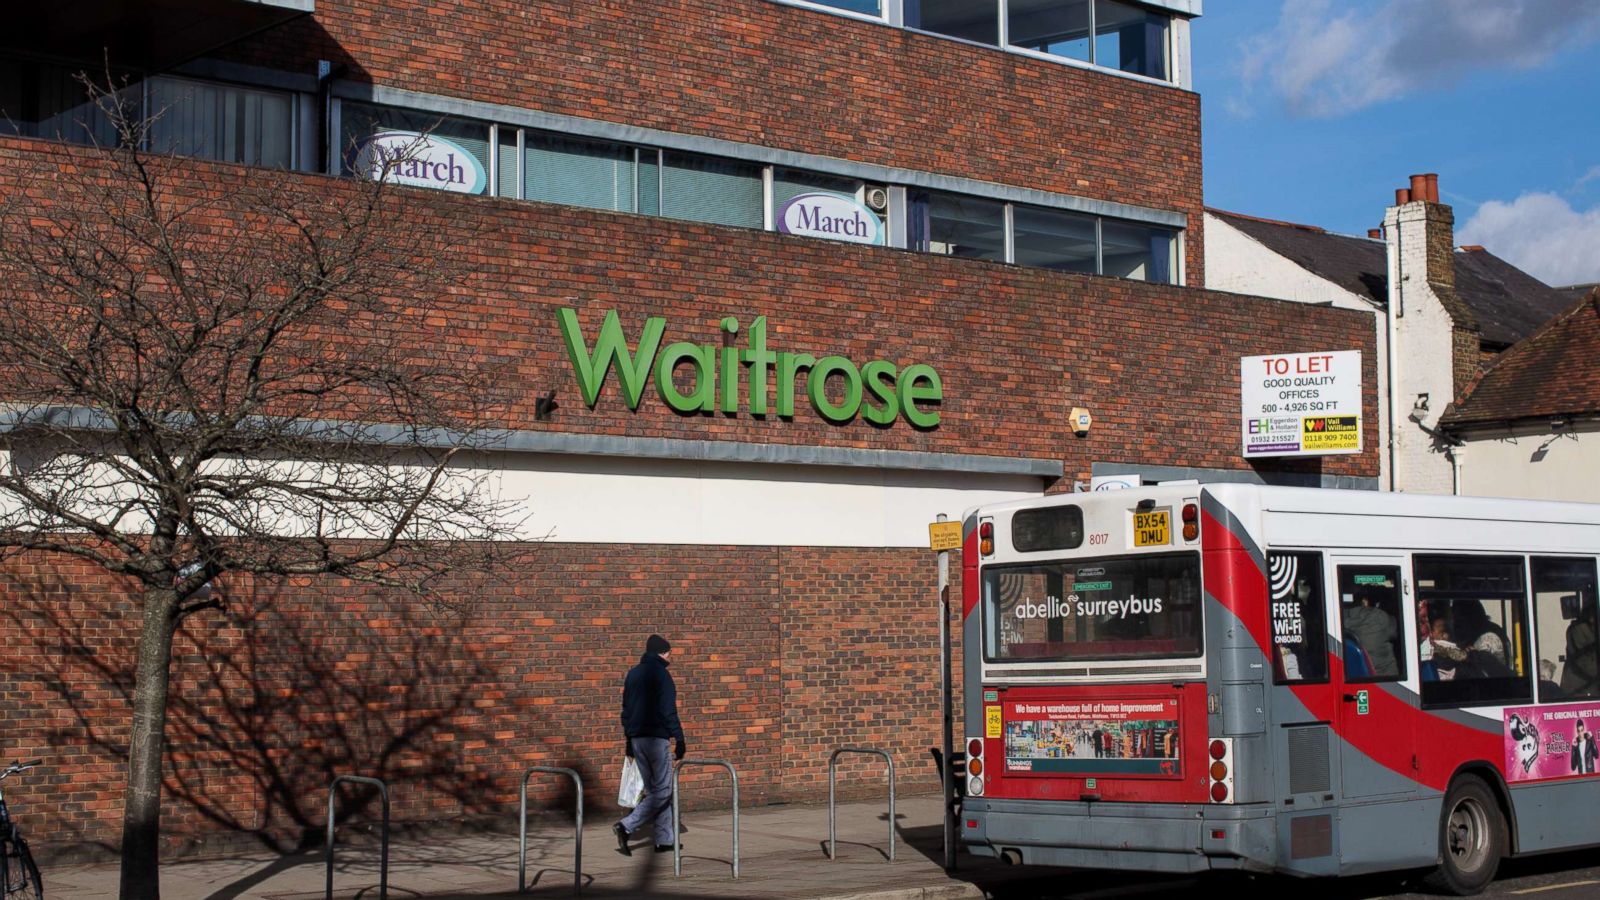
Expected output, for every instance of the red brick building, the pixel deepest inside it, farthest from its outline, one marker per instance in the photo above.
(1004, 208)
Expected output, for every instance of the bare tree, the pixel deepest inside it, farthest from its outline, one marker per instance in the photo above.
(232, 373)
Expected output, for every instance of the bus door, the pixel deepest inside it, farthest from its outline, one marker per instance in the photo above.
(1376, 713)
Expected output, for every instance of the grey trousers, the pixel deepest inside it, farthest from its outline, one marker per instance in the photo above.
(654, 758)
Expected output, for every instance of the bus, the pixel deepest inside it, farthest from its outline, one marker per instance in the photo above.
(1182, 678)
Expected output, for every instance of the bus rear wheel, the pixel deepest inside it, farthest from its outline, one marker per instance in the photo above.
(1472, 838)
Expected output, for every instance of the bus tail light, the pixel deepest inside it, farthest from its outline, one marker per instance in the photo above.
(1191, 521)
(974, 767)
(986, 537)
(1220, 777)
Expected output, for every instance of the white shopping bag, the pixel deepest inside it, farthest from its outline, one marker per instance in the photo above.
(631, 791)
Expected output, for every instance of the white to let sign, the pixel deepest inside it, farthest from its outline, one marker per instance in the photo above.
(1301, 404)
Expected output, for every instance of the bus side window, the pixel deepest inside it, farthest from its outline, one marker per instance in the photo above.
(1475, 650)
(1371, 623)
(1564, 616)
(1295, 613)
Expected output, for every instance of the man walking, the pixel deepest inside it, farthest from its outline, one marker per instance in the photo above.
(649, 719)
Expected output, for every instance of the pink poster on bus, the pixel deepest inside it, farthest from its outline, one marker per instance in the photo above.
(1551, 741)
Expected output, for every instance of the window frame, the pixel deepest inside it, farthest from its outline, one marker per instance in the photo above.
(1538, 648)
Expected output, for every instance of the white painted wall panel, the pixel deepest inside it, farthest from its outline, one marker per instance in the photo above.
(591, 499)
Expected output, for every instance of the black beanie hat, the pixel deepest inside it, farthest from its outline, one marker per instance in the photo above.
(657, 645)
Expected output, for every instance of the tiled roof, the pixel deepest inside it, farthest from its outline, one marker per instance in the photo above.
(1357, 264)
(1552, 373)
(1508, 303)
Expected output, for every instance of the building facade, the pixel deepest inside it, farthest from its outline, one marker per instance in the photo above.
(1441, 313)
(928, 231)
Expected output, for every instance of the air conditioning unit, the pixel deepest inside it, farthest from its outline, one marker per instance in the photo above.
(877, 198)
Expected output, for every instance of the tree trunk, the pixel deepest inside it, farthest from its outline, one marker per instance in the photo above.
(141, 812)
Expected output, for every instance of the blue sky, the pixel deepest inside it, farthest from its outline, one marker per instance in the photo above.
(1315, 111)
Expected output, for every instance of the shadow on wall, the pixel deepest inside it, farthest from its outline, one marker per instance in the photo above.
(270, 699)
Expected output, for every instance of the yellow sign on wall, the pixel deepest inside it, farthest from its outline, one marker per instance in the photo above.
(991, 722)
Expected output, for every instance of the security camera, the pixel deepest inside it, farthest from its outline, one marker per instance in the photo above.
(1081, 420)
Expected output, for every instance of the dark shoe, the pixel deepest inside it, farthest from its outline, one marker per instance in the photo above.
(665, 848)
(622, 839)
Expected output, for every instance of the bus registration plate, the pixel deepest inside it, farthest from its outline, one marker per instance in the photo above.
(1152, 529)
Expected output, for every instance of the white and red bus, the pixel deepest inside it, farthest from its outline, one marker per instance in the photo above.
(1190, 677)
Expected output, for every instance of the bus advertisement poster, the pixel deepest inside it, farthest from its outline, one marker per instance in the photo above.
(1132, 736)
(1551, 742)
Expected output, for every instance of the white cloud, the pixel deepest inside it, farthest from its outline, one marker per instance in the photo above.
(1541, 234)
(1591, 175)
(1327, 60)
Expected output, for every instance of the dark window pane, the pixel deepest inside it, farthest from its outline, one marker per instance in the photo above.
(869, 7)
(1048, 528)
(1057, 27)
(1140, 252)
(1299, 637)
(1136, 607)
(951, 225)
(974, 20)
(46, 101)
(1054, 240)
(1131, 39)
(221, 122)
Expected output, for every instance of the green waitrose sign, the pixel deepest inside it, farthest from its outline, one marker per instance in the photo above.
(878, 391)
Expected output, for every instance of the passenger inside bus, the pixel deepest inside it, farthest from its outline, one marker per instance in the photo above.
(1373, 628)
(1580, 678)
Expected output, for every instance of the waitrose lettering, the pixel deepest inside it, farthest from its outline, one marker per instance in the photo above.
(878, 391)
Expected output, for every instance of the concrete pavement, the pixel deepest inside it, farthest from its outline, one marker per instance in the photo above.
(781, 858)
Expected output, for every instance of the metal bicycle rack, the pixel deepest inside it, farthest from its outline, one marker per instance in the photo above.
(383, 866)
(833, 766)
(577, 850)
(677, 845)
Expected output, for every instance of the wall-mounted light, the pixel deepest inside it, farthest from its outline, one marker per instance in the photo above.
(1419, 410)
(1557, 423)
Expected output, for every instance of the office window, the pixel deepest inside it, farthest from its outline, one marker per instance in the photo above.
(1140, 252)
(865, 7)
(973, 20)
(47, 101)
(1475, 649)
(453, 154)
(1057, 27)
(1050, 239)
(1131, 39)
(507, 183)
(1564, 614)
(706, 189)
(222, 122)
(953, 225)
(578, 172)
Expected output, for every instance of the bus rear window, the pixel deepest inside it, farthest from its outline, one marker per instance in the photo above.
(1047, 528)
(1134, 607)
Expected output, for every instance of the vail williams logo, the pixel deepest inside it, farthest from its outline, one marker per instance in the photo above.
(420, 160)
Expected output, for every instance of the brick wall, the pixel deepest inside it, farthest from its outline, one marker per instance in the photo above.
(767, 74)
(780, 654)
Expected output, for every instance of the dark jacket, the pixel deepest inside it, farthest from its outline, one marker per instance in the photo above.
(650, 700)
